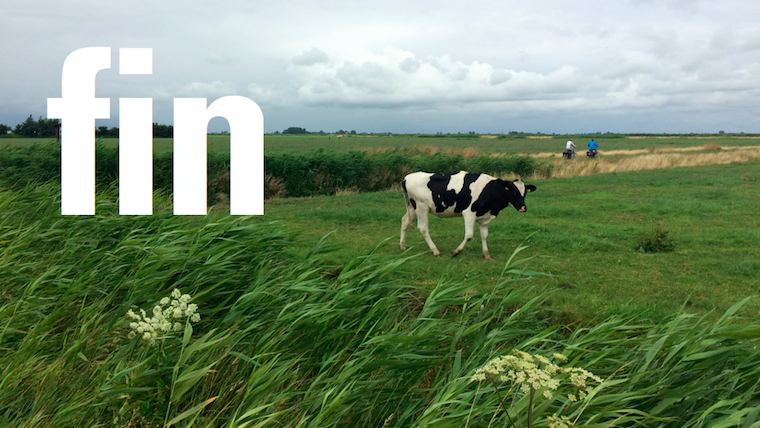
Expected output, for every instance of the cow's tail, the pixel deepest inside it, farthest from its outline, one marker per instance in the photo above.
(410, 214)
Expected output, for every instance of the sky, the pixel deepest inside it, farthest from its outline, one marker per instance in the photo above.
(401, 66)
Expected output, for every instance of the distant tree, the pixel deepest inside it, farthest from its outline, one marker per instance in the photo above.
(4, 129)
(106, 132)
(27, 128)
(353, 132)
(295, 130)
(162, 131)
(37, 128)
(47, 127)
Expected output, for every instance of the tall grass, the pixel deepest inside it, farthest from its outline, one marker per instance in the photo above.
(290, 340)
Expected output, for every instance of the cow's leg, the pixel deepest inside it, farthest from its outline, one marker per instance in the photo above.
(422, 223)
(484, 240)
(469, 225)
(406, 221)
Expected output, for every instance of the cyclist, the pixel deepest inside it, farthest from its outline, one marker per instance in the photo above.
(569, 152)
(593, 148)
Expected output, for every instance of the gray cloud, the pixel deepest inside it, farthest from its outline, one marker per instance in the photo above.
(310, 57)
(641, 65)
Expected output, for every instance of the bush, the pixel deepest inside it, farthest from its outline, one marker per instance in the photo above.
(655, 241)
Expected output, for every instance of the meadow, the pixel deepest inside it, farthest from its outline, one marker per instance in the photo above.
(582, 230)
(476, 144)
(312, 316)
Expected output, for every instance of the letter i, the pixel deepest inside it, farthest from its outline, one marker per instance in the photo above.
(135, 139)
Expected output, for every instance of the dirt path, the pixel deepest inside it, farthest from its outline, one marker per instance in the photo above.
(639, 160)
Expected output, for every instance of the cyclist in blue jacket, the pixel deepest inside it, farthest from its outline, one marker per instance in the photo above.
(593, 148)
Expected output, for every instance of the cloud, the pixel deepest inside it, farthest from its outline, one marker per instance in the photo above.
(310, 57)
(637, 79)
(409, 65)
(262, 94)
(212, 89)
(395, 77)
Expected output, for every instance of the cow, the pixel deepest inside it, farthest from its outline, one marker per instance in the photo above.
(476, 197)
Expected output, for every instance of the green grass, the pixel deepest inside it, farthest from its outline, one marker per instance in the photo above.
(298, 144)
(582, 230)
(290, 338)
(346, 330)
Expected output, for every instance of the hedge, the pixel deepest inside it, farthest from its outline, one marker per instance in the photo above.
(317, 173)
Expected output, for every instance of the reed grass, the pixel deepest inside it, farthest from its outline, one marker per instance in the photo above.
(289, 340)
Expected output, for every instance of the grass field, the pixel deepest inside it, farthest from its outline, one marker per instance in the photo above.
(581, 230)
(584, 231)
(477, 144)
(311, 316)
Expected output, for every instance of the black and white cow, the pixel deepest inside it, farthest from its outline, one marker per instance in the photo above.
(476, 197)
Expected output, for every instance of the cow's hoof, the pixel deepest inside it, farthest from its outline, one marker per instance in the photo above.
(436, 253)
(488, 257)
(455, 253)
(402, 246)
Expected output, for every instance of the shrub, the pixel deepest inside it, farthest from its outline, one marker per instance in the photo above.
(655, 241)
(274, 187)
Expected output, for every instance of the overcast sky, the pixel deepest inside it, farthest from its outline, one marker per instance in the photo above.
(401, 66)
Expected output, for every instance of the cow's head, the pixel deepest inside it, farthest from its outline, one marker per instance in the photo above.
(518, 190)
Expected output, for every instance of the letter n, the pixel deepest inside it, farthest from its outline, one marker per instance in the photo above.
(191, 117)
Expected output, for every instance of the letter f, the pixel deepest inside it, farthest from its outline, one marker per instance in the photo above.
(78, 108)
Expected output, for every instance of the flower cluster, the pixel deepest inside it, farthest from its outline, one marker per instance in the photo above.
(536, 372)
(169, 315)
(524, 370)
(579, 378)
(559, 422)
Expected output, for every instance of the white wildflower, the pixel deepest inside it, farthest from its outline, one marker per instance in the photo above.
(536, 374)
(559, 422)
(168, 316)
(524, 370)
(191, 308)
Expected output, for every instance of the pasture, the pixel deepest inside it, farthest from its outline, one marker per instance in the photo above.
(476, 144)
(582, 230)
(312, 316)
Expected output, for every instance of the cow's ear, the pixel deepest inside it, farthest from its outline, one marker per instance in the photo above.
(530, 188)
